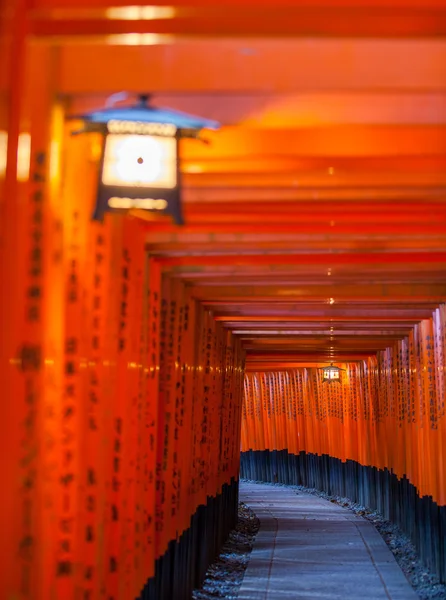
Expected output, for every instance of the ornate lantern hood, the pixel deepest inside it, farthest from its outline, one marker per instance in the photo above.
(143, 112)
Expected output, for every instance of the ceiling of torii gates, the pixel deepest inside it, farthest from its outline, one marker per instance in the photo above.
(316, 217)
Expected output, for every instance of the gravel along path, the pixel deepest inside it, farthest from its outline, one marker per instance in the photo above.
(225, 575)
(425, 584)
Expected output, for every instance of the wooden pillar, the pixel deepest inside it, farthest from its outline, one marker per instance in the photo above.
(31, 311)
(12, 408)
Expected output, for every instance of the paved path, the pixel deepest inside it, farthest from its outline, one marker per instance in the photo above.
(311, 549)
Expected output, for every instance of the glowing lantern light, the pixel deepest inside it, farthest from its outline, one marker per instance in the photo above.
(332, 374)
(140, 166)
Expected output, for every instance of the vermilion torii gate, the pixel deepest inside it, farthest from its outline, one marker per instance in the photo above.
(315, 225)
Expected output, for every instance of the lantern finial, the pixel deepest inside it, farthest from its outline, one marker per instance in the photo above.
(144, 100)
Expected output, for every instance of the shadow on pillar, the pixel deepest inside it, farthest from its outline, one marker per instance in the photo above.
(183, 566)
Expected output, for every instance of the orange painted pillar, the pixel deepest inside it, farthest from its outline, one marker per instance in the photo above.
(32, 319)
(17, 540)
(150, 431)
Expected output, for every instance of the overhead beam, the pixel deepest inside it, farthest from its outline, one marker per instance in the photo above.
(305, 360)
(213, 227)
(358, 147)
(296, 194)
(332, 320)
(354, 315)
(246, 244)
(409, 211)
(385, 293)
(299, 110)
(261, 66)
(370, 4)
(366, 332)
(218, 21)
(383, 258)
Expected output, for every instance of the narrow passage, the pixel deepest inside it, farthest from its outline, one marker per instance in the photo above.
(311, 549)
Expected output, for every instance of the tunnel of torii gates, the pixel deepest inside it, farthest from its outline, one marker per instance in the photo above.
(315, 228)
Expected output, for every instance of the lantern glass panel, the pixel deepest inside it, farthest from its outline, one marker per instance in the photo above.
(331, 374)
(140, 161)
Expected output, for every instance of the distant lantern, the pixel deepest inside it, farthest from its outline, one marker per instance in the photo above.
(332, 374)
(140, 164)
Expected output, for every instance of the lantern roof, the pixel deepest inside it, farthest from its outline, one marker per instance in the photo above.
(145, 113)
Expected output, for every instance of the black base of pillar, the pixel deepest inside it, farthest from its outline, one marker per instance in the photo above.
(183, 566)
(396, 499)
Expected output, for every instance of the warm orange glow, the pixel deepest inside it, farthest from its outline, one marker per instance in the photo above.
(3, 152)
(23, 157)
(137, 203)
(314, 234)
(145, 13)
(137, 39)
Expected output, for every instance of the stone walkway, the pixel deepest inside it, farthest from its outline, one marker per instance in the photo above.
(311, 549)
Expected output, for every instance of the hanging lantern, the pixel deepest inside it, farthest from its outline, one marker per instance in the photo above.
(331, 374)
(140, 165)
